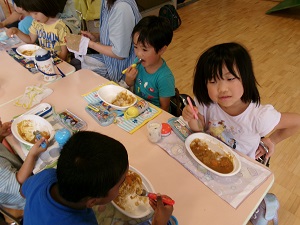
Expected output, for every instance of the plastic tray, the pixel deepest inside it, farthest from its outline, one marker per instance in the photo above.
(181, 131)
(102, 116)
(70, 121)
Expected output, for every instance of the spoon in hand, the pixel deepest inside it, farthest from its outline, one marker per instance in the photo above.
(133, 65)
(153, 196)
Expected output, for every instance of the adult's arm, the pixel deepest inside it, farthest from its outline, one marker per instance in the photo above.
(13, 17)
(121, 24)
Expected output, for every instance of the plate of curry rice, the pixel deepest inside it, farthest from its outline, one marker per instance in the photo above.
(213, 154)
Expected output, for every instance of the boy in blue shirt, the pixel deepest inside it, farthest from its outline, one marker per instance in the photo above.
(152, 79)
(90, 171)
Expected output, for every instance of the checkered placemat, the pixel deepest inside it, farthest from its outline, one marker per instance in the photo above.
(27, 63)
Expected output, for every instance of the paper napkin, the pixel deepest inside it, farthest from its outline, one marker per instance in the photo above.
(32, 96)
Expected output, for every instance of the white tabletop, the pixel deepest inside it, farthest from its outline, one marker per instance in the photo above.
(14, 78)
(195, 203)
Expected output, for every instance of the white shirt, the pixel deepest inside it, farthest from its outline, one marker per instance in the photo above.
(242, 132)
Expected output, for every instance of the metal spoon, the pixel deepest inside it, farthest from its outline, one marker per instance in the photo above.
(153, 196)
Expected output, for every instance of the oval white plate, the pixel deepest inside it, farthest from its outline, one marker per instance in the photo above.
(216, 146)
(141, 210)
(28, 47)
(109, 92)
(39, 124)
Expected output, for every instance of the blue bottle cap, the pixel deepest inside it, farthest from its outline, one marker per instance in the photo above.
(42, 55)
(62, 136)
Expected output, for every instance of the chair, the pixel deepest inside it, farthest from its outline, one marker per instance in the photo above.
(82, 20)
(177, 103)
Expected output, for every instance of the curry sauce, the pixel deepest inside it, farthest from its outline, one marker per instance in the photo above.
(214, 160)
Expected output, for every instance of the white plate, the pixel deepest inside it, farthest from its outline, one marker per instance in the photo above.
(27, 47)
(39, 123)
(141, 210)
(216, 146)
(109, 92)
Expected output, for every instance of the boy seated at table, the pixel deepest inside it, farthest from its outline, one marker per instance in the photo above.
(152, 79)
(89, 172)
(24, 20)
(47, 28)
(13, 173)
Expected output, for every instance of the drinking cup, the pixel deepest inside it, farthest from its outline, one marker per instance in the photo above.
(154, 131)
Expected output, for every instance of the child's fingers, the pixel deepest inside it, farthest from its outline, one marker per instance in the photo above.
(38, 143)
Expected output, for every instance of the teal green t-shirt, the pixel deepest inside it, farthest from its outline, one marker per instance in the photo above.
(153, 86)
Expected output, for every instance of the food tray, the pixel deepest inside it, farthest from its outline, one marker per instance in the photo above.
(181, 131)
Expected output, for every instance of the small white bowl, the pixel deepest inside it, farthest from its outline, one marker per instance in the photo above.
(108, 93)
(39, 123)
(216, 146)
(28, 47)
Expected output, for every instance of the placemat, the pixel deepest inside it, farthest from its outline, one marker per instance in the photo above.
(130, 125)
(234, 189)
(27, 63)
(111, 216)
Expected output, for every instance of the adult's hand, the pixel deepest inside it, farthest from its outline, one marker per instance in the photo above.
(92, 37)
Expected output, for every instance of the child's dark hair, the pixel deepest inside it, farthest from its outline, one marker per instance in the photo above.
(155, 31)
(209, 67)
(49, 8)
(90, 164)
(17, 3)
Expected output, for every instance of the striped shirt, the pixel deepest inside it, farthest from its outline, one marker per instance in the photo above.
(116, 26)
(10, 196)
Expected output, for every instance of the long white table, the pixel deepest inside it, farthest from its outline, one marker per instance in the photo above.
(195, 203)
(14, 78)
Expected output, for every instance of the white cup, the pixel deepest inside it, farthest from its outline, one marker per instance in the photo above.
(154, 131)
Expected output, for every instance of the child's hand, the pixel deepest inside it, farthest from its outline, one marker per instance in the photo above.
(36, 149)
(162, 213)
(12, 31)
(260, 150)
(188, 114)
(1, 25)
(131, 73)
(4, 130)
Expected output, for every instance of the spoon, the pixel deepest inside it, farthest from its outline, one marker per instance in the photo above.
(38, 136)
(153, 196)
(39, 113)
(192, 107)
(133, 65)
